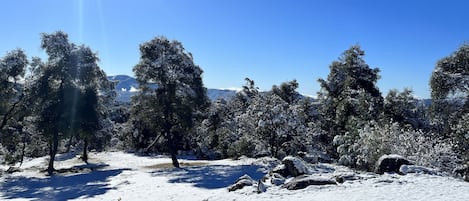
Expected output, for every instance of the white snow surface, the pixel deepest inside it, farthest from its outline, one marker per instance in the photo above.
(126, 176)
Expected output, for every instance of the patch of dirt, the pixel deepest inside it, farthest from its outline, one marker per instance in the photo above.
(170, 165)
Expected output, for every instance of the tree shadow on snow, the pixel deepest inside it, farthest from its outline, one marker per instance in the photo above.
(211, 176)
(58, 187)
(65, 156)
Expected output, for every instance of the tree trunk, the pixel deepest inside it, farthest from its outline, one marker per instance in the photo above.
(173, 152)
(23, 150)
(169, 97)
(52, 152)
(69, 145)
(9, 114)
(84, 157)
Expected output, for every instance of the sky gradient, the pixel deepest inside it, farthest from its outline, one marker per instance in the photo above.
(269, 41)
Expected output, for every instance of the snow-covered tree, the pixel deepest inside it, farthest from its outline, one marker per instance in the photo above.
(278, 124)
(287, 91)
(451, 75)
(349, 97)
(211, 133)
(12, 101)
(179, 94)
(238, 131)
(403, 108)
(12, 70)
(66, 88)
(257, 123)
(450, 89)
(450, 98)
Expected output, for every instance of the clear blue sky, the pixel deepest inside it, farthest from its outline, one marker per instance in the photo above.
(267, 40)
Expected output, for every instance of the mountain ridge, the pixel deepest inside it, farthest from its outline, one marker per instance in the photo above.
(127, 86)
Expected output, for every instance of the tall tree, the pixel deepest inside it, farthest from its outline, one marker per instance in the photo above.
(450, 89)
(12, 70)
(67, 89)
(12, 103)
(349, 95)
(179, 91)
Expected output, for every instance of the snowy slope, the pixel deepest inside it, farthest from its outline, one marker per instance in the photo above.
(125, 176)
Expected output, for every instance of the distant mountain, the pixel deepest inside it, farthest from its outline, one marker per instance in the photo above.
(225, 94)
(127, 86)
(124, 82)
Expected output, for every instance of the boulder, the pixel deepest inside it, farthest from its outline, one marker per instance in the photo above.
(295, 166)
(406, 169)
(341, 178)
(315, 157)
(462, 171)
(241, 182)
(277, 179)
(390, 163)
(281, 170)
(304, 181)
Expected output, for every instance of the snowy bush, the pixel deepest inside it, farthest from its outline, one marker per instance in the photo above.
(243, 146)
(461, 136)
(417, 146)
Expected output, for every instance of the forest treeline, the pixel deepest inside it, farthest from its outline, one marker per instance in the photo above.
(66, 103)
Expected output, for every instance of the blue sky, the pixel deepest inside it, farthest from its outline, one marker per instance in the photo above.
(269, 41)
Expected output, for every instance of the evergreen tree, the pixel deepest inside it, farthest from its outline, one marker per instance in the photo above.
(12, 70)
(277, 125)
(450, 90)
(349, 97)
(403, 108)
(179, 91)
(66, 89)
(212, 133)
(450, 99)
(287, 91)
(12, 104)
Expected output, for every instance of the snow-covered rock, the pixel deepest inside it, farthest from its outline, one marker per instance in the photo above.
(390, 163)
(295, 166)
(315, 157)
(341, 178)
(242, 181)
(277, 179)
(304, 181)
(406, 169)
(462, 171)
(281, 170)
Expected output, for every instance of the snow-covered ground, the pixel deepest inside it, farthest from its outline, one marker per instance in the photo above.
(125, 176)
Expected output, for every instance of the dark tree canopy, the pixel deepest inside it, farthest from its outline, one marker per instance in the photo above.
(179, 91)
(349, 96)
(450, 92)
(12, 69)
(451, 75)
(67, 91)
(404, 108)
(350, 90)
(287, 91)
